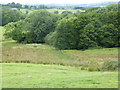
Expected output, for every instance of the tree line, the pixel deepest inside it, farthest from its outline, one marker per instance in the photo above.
(20, 6)
(97, 27)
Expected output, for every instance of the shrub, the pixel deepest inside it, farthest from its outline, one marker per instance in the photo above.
(16, 61)
(110, 65)
(94, 66)
(83, 68)
(93, 69)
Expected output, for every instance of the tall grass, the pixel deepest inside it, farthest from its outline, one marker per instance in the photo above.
(44, 54)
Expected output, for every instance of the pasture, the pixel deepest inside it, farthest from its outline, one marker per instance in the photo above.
(19, 75)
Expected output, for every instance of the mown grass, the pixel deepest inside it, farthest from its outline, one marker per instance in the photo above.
(55, 76)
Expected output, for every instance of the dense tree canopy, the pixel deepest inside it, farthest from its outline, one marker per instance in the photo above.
(9, 15)
(14, 5)
(40, 23)
(37, 25)
(97, 27)
(16, 31)
(66, 34)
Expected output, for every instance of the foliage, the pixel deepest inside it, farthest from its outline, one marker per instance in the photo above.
(9, 15)
(87, 32)
(66, 37)
(66, 14)
(39, 24)
(56, 12)
(50, 38)
(82, 8)
(42, 7)
(112, 7)
(36, 26)
(97, 27)
(91, 69)
(110, 65)
(108, 36)
(14, 5)
(15, 31)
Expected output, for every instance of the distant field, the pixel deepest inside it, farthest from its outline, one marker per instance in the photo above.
(52, 10)
(24, 10)
(55, 76)
(61, 10)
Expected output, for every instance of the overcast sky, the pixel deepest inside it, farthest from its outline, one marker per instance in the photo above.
(54, 1)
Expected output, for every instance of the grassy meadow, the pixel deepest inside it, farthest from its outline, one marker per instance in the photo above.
(43, 66)
(55, 76)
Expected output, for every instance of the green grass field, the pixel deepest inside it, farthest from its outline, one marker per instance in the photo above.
(55, 76)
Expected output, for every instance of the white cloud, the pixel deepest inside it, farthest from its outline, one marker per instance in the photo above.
(54, 1)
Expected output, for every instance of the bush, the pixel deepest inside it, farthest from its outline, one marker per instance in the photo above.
(110, 65)
(83, 68)
(93, 68)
